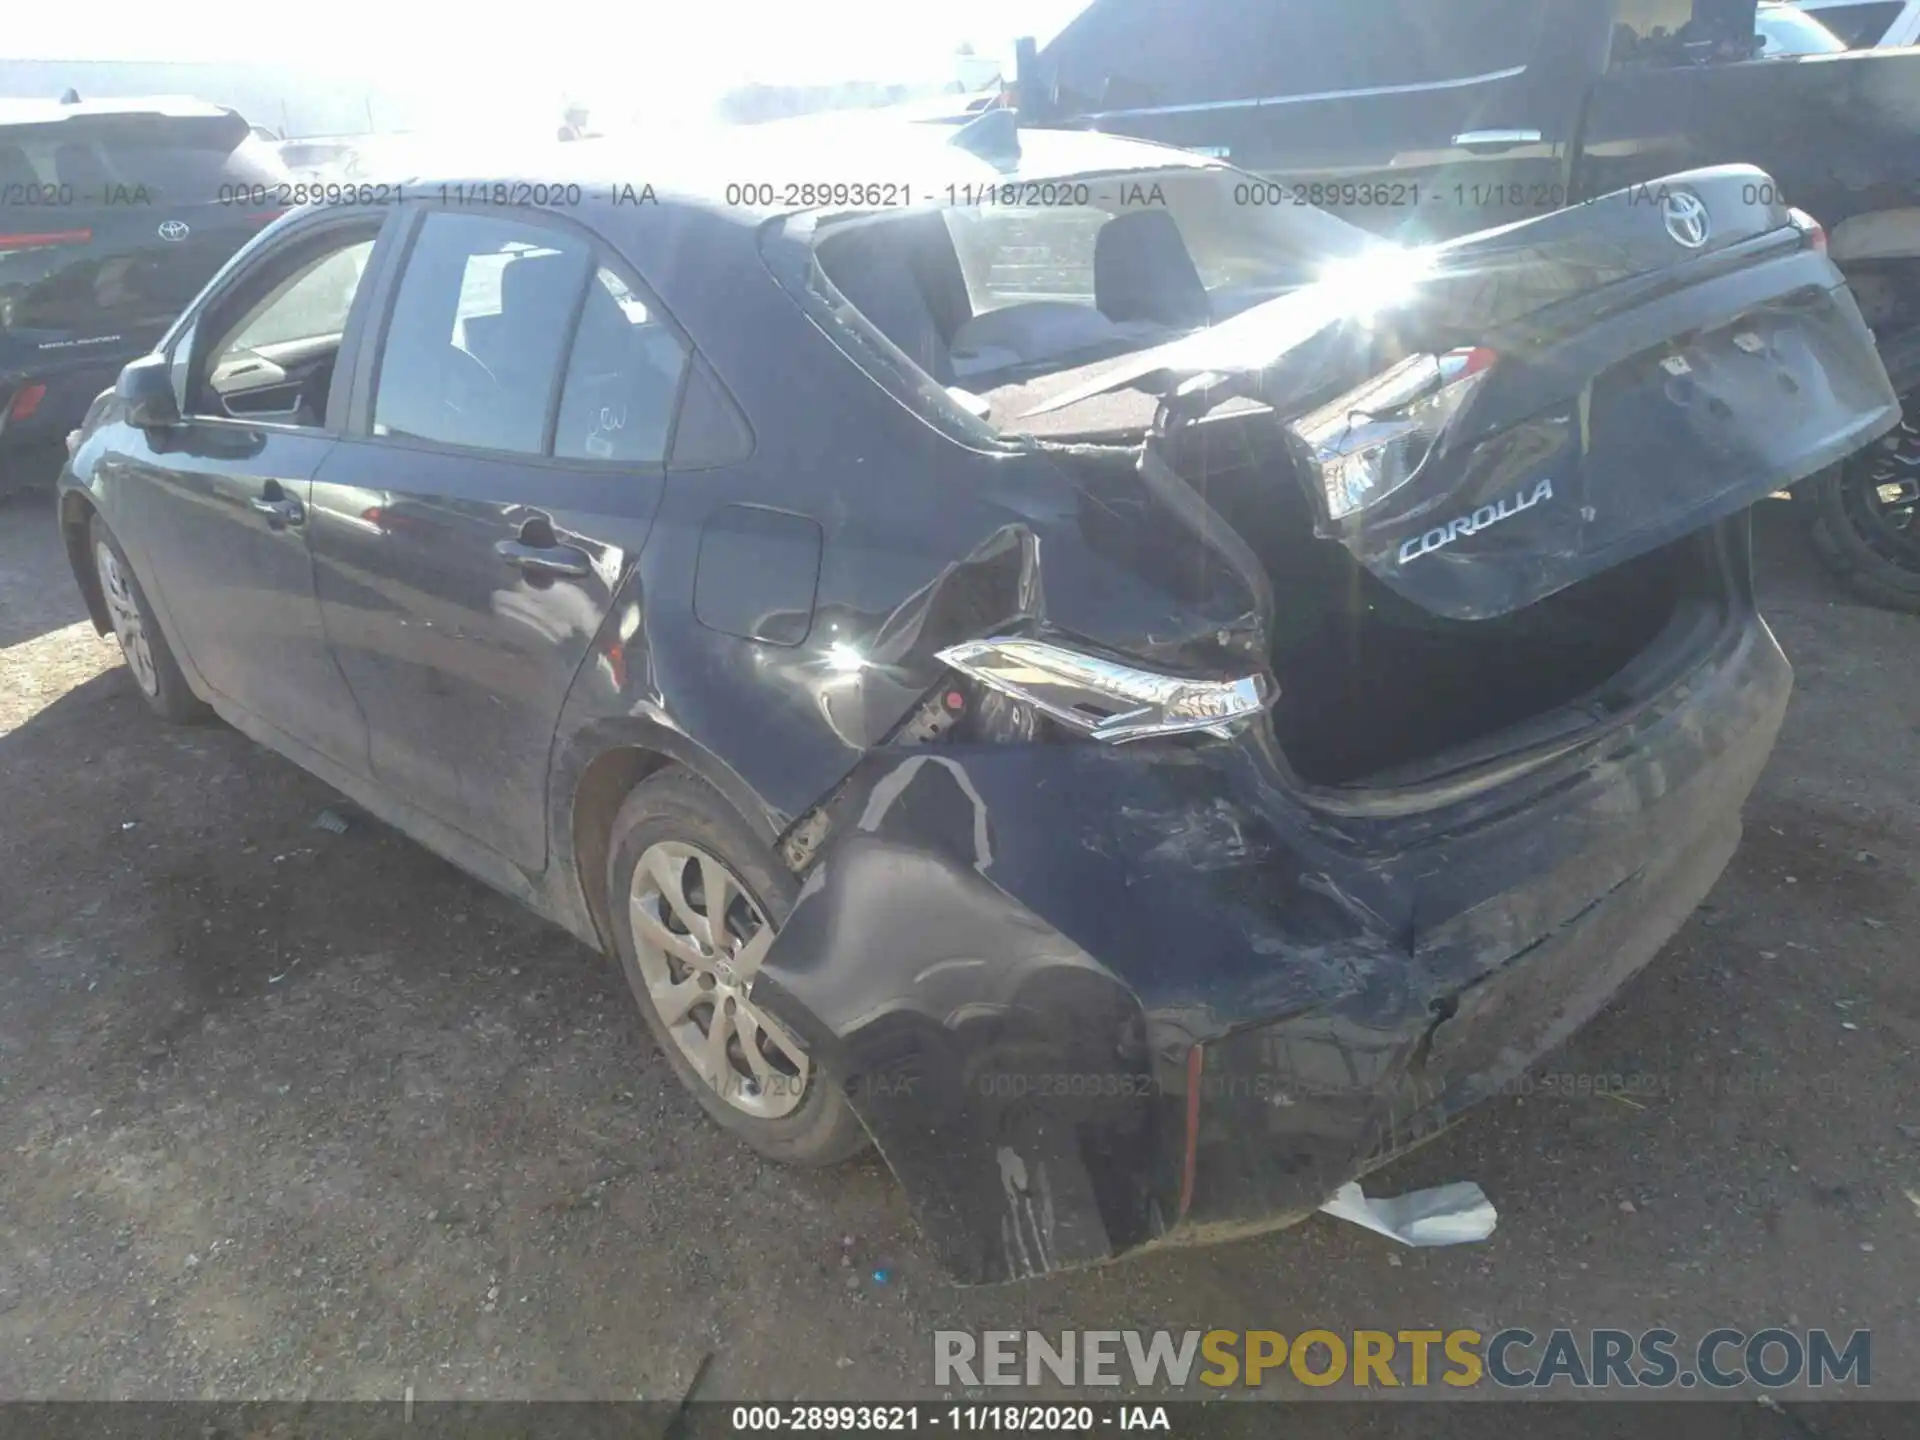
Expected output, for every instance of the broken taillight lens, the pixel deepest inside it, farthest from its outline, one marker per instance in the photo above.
(1375, 438)
(1104, 699)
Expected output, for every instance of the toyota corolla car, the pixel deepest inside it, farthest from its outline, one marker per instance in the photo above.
(1031, 650)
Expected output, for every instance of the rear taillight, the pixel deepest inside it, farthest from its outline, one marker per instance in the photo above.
(39, 239)
(26, 400)
(265, 217)
(1374, 439)
(1813, 233)
(1104, 698)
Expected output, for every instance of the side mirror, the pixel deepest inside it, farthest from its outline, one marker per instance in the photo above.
(145, 389)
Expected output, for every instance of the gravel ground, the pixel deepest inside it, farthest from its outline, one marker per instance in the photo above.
(285, 1113)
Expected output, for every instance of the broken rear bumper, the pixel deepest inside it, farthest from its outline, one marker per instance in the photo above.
(1089, 999)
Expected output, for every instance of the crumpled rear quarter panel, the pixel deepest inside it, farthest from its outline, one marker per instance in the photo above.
(1008, 954)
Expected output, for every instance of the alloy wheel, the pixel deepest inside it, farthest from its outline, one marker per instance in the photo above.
(124, 611)
(699, 938)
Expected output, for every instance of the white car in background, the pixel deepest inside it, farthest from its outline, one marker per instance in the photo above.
(1869, 24)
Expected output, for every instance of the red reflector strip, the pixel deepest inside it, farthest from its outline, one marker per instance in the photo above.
(266, 217)
(27, 400)
(45, 237)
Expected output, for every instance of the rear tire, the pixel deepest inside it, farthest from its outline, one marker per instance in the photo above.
(156, 674)
(1864, 517)
(675, 843)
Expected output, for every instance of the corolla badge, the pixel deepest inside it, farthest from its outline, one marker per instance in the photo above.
(1686, 216)
(1442, 536)
(173, 229)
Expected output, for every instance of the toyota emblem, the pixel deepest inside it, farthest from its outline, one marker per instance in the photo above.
(177, 229)
(1687, 219)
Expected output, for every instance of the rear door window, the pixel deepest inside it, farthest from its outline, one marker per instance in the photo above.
(623, 379)
(478, 333)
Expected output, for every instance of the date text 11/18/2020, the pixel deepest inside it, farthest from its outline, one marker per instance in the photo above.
(958, 1419)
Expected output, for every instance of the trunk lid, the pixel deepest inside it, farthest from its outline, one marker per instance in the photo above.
(1641, 365)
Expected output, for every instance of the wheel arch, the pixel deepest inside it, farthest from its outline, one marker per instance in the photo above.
(76, 520)
(601, 768)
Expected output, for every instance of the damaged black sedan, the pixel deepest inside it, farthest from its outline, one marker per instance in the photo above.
(1139, 704)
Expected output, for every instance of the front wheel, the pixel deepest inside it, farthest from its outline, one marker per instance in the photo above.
(149, 658)
(1862, 515)
(696, 900)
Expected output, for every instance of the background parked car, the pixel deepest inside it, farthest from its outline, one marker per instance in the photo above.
(113, 214)
(1422, 120)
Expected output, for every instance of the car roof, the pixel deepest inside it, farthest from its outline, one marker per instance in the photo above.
(886, 153)
(15, 111)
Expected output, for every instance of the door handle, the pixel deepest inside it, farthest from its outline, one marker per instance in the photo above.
(279, 509)
(1495, 139)
(549, 560)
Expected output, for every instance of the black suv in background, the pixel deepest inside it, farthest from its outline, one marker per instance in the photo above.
(113, 215)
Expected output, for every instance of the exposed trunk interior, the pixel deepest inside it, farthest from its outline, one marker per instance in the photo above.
(1374, 689)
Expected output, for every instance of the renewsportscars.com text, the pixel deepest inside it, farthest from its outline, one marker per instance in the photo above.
(1513, 1358)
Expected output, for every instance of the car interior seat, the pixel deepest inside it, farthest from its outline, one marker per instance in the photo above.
(873, 269)
(532, 288)
(1142, 271)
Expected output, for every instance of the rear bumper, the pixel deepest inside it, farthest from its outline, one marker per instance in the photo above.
(1090, 999)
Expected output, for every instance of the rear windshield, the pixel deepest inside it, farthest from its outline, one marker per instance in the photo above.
(101, 160)
(1005, 298)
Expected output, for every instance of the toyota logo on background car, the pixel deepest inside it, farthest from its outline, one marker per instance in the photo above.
(1687, 219)
(177, 229)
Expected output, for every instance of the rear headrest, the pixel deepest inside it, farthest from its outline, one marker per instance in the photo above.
(1142, 271)
(533, 284)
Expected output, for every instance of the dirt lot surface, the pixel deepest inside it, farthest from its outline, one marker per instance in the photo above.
(290, 1113)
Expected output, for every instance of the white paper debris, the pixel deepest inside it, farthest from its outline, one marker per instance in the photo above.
(1445, 1215)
